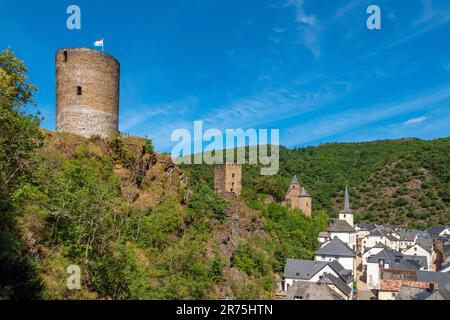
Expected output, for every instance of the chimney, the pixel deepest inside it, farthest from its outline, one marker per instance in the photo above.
(431, 287)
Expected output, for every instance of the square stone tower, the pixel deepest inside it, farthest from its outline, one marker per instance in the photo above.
(227, 178)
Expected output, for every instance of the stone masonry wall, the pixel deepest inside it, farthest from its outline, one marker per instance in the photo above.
(227, 178)
(87, 92)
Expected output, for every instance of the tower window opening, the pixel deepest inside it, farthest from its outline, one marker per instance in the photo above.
(79, 92)
(65, 56)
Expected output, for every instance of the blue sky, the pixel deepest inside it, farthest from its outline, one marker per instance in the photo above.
(310, 68)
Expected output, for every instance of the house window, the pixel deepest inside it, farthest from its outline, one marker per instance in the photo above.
(79, 91)
(65, 56)
(232, 175)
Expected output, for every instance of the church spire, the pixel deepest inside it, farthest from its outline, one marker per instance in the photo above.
(346, 200)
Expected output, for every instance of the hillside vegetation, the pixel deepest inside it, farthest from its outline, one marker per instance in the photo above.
(403, 182)
(140, 227)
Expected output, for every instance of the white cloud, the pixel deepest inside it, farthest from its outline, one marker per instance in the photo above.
(415, 120)
(346, 121)
(308, 27)
(279, 30)
(342, 11)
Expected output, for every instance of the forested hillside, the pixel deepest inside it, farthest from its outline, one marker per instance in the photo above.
(127, 216)
(140, 227)
(404, 182)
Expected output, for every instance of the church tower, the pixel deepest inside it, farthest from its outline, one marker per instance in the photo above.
(347, 213)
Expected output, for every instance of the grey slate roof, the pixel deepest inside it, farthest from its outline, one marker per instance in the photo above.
(294, 180)
(420, 260)
(336, 247)
(378, 245)
(376, 233)
(425, 243)
(442, 278)
(406, 235)
(441, 294)
(341, 226)
(301, 290)
(338, 283)
(396, 260)
(324, 234)
(445, 266)
(368, 227)
(302, 269)
(304, 193)
(344, 274)
(388, 255)
(412, 293)
(436, 230)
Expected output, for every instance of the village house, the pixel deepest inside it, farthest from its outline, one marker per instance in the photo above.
(393, 280)
(337, 250)
(387, 259)
(324, 237)
(407, 239)
(371, 252)
(312, 271)
(362, 230)
(342, 230)
(311, 291)
(331, 274)
(438, 231)
(384, 236)
(423, 247)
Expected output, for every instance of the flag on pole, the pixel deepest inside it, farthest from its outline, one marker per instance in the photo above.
(99, 43)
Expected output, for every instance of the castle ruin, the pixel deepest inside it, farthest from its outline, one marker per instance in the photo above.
(227, 178)
(87, 92)
(298, 198)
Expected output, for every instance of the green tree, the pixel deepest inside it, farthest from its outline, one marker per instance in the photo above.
(19, 136)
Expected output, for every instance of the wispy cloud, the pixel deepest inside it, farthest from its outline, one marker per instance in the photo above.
(308, 27)
(275, 105)
(351, 119)
(342, 11)
(415, 120)
(138, 115)
(279, 30)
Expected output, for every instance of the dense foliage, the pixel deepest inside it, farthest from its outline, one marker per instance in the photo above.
(126, 216)
(404, 182)
(19, 136)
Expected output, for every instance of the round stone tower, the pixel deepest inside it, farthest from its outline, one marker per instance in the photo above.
(87, 92)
